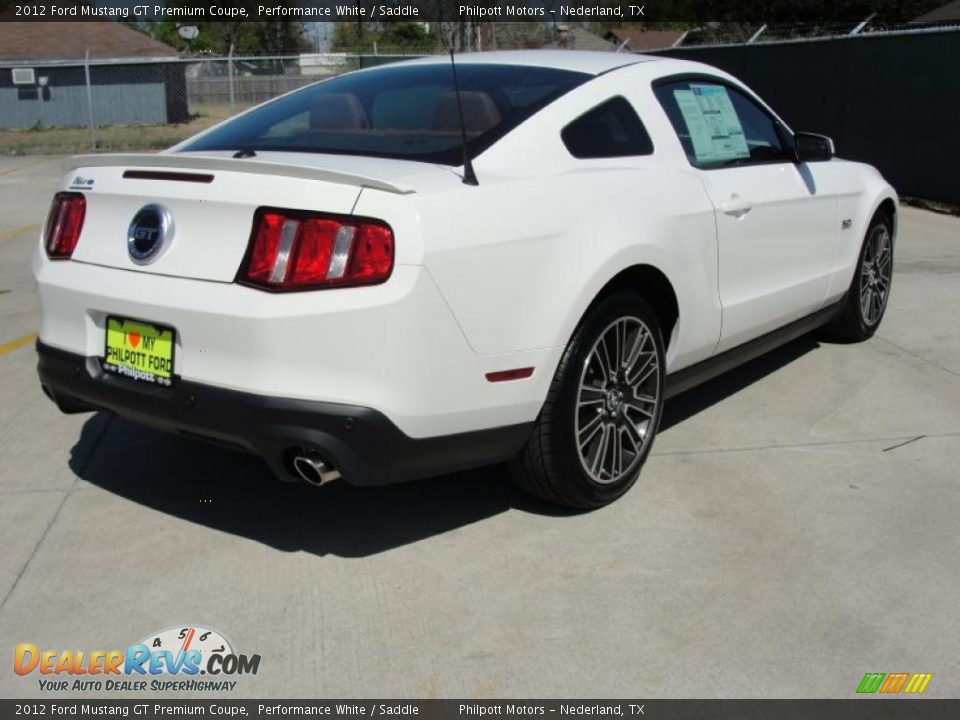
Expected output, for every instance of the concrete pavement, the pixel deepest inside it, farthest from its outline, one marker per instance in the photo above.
(795, 528)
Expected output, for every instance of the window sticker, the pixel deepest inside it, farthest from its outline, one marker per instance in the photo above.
(715, 130)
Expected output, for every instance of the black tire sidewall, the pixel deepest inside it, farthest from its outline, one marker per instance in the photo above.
(572, 475)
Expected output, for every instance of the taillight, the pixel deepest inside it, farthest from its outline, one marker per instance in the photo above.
(292, 250)
(64, 224)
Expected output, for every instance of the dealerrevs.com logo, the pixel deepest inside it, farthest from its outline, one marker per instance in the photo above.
(190, 658)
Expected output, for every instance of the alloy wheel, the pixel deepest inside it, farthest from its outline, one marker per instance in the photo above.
(617, 402)
(875, 273)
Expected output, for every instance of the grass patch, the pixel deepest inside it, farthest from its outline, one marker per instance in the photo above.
(115, 138)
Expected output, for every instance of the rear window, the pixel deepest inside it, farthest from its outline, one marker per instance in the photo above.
(407, 112)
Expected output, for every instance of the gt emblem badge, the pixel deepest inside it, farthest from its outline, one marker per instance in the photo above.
(150, 229)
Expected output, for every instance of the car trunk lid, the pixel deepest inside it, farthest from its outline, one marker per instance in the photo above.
(209, 201)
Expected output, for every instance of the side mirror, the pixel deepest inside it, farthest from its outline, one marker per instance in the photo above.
(812, 147)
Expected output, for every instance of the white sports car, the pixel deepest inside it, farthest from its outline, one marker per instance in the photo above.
(425, 267)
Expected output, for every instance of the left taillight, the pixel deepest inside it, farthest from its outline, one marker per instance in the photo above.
(64, 224)
(295, 250)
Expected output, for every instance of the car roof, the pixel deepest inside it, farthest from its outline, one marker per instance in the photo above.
(585, 61)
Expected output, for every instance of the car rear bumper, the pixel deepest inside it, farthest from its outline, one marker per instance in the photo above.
(361, 443)
(394, 347)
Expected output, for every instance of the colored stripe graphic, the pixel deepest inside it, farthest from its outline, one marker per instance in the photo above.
(918, 682)
(894, 683)
(871, 682)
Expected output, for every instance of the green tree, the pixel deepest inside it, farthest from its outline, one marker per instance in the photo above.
(213, 37)
(262, 37)
(404, 36)
(363, 37)
(279, 37)
(349, 37)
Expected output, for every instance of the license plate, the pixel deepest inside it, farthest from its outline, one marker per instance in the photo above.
(140, 351)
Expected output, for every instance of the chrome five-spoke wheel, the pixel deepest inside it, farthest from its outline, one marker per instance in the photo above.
(617, 401)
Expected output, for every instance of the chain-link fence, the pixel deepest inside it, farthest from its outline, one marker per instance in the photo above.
(743, 33)
(149, 103)
(71, 106)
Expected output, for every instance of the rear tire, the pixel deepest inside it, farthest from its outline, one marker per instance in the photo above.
(866, 300)
(602, 411)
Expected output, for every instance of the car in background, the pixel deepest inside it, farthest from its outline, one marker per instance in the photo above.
(421, 268)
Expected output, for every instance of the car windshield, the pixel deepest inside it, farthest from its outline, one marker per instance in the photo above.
(402, 111)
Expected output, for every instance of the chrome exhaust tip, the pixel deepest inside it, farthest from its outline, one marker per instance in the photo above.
(314, 470)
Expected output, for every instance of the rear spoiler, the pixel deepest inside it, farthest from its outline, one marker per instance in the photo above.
(209, 162)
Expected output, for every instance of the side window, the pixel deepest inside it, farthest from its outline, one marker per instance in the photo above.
(611, 129)
(718, 125)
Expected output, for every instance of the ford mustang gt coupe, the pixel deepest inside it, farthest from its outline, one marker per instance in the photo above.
(426, 267)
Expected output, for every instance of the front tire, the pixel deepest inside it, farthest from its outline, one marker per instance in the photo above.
(601, 415)
(866, 300)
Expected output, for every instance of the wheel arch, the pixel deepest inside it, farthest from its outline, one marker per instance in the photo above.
(653, 285)
(889, 206)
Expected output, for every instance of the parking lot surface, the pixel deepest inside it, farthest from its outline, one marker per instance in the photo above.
(796, 527)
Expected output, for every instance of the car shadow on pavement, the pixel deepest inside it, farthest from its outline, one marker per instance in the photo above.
(698, 399)
(236, 493)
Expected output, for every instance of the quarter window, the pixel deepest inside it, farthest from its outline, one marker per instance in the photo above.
(611, 129)
(720, 126)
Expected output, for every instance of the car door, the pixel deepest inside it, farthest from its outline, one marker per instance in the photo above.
(776, 229)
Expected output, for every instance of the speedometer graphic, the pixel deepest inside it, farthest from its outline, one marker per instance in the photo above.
(180, 640)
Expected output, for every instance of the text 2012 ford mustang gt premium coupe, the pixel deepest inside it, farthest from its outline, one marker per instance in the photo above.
(426, 267)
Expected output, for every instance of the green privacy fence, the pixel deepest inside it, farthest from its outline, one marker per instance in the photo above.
(889, 99)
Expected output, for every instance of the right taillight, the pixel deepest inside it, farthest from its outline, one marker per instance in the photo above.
(294, 250)
(64, 224)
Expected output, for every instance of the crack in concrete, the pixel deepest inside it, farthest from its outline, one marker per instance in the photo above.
(905, 442)
(800, 446)
(911, 353)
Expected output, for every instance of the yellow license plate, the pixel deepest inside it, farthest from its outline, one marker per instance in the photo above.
(139, 350)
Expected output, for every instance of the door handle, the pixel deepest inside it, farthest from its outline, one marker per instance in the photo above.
(736, 206)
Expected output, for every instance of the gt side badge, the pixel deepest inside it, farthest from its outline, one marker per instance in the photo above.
(845, 224)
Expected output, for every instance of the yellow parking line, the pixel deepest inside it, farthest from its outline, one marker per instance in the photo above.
(18, 343)
(18, 168)
(13, 232)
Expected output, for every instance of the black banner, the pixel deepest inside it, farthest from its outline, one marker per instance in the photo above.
(874, 708)
(550, 11)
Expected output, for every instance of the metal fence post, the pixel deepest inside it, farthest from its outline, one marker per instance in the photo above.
(93, 129)
(757, 34)
(230, 74)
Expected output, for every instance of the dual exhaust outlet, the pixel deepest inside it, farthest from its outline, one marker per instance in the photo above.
(314, 470)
